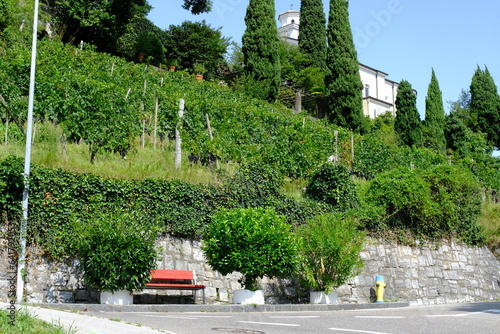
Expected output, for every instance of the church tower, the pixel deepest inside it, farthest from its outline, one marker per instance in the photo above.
(289, 29)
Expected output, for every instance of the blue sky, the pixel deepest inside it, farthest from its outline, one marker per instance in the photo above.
(404, 38)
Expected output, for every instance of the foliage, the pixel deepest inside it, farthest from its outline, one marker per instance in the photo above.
(457, 195)
(433, 126)
(197, 6)
(150, 45)
(259, 185)
(4, 14)
(485, 106)
(28, 323)
(490, 221)
(343, 90)
(117, 252)
(260, 46)
(255, 242)
(73, 83)
(312, 37)
(100, 23)
(434, 203)
(176, 207)
(329, 249)
(196, 42)
(332, 185)
(135, 28)
(407, 124)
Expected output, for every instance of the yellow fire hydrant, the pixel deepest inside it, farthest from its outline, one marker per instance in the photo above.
(380, 286)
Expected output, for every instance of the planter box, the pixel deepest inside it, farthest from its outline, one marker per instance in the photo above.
(320, 297)
(246, 297)
(122, 297)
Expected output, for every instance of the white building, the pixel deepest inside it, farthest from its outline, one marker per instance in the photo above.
(289, 29)
(379, 93)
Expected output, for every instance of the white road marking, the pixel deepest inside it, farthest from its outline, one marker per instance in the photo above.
(171, 317)
(190, 317)
(295, 317)
(354, 330)
(378, 317)
(463, 314)
(269, 323)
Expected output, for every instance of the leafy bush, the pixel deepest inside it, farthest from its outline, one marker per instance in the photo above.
(329, 250)
(116, 252)
(404, 198)
(457, 196)
(254, 242)
(443, 201)
(332, 185)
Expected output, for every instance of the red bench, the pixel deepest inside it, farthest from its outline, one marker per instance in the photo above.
(175, 280)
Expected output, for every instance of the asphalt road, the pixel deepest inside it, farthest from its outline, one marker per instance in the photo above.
(470, 318)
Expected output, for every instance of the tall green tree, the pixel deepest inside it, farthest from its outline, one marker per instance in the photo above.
(312, 37)
(98, 22)
(196, 42)
(433, 126)
(407, 123)
(260, 47)
(485, 106)
(343, 90)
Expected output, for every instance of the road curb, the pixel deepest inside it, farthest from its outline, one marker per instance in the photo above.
(220, 308)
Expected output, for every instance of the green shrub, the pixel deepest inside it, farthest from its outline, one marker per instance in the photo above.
(457, 196)
(332, 185)
(404, 199)
(443, 201)
(117, 252)
(329, 250)
(254, 242)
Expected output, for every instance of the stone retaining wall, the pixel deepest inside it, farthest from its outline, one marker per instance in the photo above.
(448, 272)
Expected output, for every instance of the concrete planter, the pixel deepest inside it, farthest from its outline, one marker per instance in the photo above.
(246, 297)
(121, 297)
(320, 297)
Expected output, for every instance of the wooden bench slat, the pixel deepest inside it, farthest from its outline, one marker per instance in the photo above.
(175, 285)
(172, 274)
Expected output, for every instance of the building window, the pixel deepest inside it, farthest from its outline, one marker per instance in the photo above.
(367, 91)
(293, 21)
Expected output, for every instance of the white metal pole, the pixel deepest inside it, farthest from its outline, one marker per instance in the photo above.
(27, 161)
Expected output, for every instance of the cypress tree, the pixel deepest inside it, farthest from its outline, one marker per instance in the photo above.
(312, 37)
(407, 123)
(260, 47)
(485, 106)
(343, 89)
(433, 126)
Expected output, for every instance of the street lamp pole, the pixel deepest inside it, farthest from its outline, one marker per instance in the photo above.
(27, 161)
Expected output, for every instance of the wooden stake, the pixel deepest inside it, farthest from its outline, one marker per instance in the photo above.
(143, 126)
(156, 122)
(211, 139)
(178, 152)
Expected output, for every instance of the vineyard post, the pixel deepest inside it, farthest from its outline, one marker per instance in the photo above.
(336, 156)
(211, 139)
(178, 135)
(352, 151)
(156, 122)
(6, 119)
